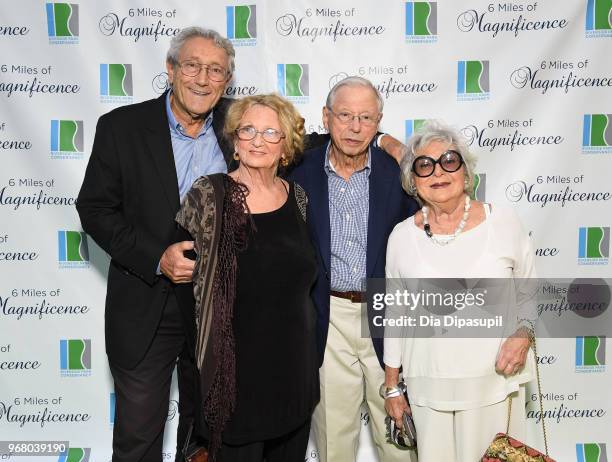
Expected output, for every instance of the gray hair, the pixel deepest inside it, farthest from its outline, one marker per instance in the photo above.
(436, 131)
(187, 33)
(353, 81)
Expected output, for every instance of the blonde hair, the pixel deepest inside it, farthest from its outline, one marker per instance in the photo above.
(290, 120)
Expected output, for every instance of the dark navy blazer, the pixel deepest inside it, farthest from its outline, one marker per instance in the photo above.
(389, 205)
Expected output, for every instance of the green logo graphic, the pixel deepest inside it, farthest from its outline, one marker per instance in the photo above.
(293, 79)
(412, 126)
(599, 15)
(594, 242)
(473, 77)
(75, 356)
(72, 246)
(597, 133)
(116, 80)
(421, 18)
(591, 452)
(75, 455)
(241, 22)
(62, 20)
(66, 137)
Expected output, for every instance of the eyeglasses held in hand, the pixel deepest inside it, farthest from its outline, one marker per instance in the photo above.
(367, 120)
(270, 135)
(424, 166)
(192, 68)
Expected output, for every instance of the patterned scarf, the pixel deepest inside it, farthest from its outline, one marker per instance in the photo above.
(216, 215)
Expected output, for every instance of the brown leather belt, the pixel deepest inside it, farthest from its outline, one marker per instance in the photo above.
(353, 295)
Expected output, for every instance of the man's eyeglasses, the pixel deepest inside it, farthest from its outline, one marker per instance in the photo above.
(450, 161)
(270, 135)
(367, 120)
(192, 68)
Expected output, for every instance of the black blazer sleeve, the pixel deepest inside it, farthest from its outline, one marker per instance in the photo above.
(100, 207)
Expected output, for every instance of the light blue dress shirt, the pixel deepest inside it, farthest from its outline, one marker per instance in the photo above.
(194, 157)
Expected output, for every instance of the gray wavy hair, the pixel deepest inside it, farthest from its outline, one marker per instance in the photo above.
(434, 130)
(187, 33)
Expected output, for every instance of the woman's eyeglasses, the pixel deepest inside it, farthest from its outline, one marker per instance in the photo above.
(424, 166)
(270, 135)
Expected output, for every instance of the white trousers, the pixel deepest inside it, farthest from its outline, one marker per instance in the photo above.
(350, 375)
(463, 436)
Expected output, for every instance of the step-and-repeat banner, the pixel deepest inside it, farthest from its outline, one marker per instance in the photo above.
(529, 83)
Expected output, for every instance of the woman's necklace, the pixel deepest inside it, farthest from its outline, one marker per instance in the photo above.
(446, 240)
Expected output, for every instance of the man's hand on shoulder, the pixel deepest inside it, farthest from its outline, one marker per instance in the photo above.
(174, 264)
(393, 147)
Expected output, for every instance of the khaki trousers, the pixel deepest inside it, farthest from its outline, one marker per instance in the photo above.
(463, 436)
(350, 375)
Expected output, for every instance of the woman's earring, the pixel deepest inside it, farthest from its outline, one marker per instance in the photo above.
(236, 156)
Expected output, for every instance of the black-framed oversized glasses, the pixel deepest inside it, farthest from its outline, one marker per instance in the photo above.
(450, 161)
(215, 72)
(270, 135)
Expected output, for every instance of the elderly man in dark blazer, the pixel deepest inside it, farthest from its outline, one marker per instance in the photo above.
(355, 200)
(144, 159)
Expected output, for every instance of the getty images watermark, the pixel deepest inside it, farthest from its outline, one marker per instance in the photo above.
(486, 307)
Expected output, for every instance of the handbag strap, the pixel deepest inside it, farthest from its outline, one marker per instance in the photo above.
(532, 342)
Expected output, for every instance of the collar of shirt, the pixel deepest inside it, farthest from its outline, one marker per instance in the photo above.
(329, 168)
(176, 127)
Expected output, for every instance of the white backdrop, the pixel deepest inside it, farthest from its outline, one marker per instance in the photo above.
(530, 83)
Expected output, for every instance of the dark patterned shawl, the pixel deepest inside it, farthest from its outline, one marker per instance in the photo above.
(215, 213)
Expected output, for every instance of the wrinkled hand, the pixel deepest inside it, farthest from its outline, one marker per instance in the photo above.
(512, 355)
(174, 264)
(393, 147)
(396, 407)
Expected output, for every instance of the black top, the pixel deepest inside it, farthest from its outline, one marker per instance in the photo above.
(274, 327)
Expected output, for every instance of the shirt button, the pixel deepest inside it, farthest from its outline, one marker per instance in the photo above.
(348, 216)
(342, 189)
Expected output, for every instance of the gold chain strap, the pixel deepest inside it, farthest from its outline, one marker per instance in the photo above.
(532, 342)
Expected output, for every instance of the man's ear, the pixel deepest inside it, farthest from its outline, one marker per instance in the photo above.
(325, 117)
(171, 71)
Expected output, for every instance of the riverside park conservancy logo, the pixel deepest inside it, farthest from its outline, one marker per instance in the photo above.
(293, 82)
(116, 83)
(597, 134)
(412, 126)
(72, 249)
(75, 455)
(598, 18)
(593, 245)
(472, 80)
(63, 23)
(421, 22)
(242, 24)
(67, 139)
(591, 452)
(75, 357)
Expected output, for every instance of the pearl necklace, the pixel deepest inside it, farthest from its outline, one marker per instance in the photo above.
(446, 240)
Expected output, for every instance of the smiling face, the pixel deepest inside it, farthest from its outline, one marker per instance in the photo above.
(194, 97)
(440, 187)
(353, 138)
(258, 153)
